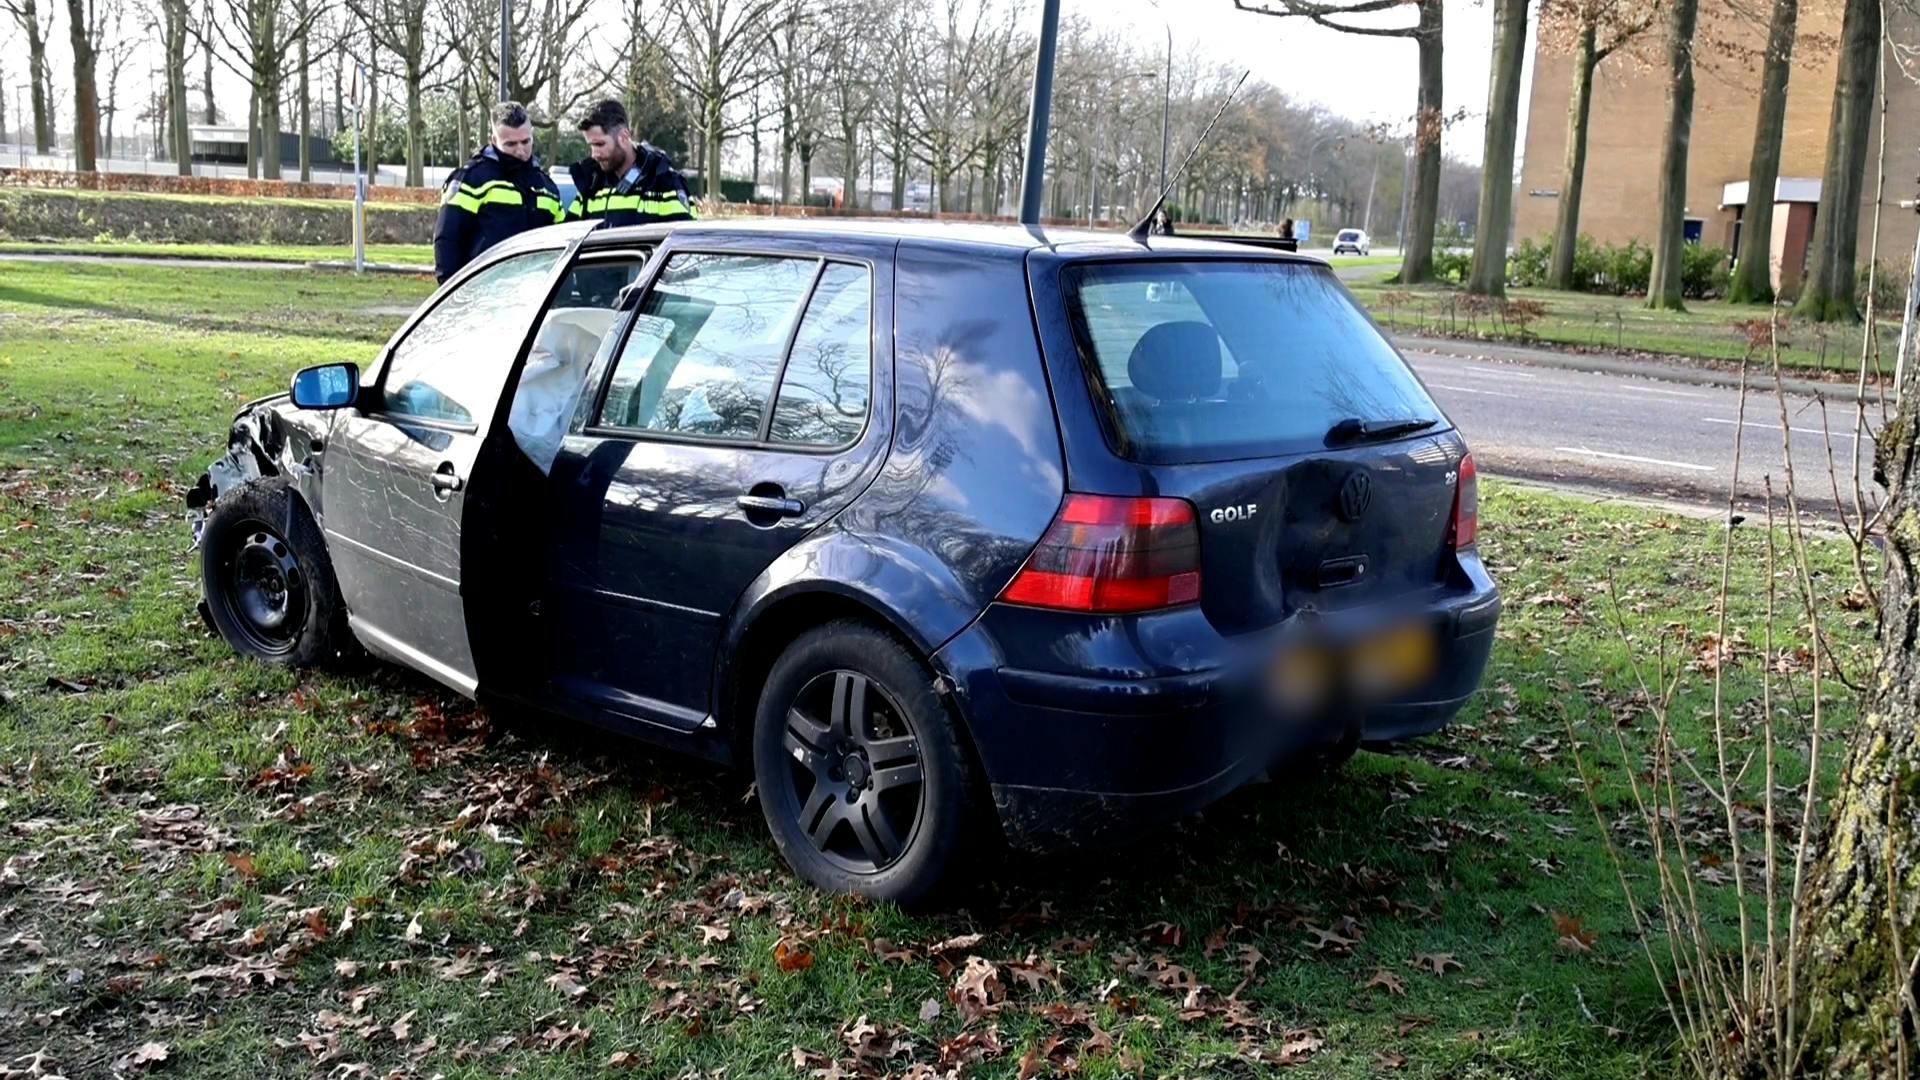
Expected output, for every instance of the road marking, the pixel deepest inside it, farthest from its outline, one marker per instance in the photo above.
(1653, 390)
(1468, 367)
(1471, 390)
(1776, 427)
(1631, 457)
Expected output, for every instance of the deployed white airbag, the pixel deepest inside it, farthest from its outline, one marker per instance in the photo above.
(551, 383)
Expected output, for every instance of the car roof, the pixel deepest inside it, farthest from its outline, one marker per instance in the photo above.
(980, 237)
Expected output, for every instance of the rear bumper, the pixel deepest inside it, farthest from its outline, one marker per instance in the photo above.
(1079, 757)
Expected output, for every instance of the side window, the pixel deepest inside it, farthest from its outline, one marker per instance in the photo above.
(706, 346)
(823, 393)
(451, 365)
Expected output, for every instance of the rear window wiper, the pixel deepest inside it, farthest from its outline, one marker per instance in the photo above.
(1354, 429)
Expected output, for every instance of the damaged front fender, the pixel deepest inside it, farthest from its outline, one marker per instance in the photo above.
(269, 437)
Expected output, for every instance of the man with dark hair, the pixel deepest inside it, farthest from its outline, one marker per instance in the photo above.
(500, 192)
(626, 183)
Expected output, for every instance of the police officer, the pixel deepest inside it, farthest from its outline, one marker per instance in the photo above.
(624, 182)
(499, 192)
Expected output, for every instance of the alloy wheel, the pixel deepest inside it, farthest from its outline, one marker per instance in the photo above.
(856, 782)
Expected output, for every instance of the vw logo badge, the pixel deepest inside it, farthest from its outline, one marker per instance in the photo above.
(1356, 494)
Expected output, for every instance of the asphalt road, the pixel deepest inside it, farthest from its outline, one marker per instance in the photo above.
(1648, 438)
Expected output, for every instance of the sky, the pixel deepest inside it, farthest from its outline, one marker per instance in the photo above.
(1364, 78)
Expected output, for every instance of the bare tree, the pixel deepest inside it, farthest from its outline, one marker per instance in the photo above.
(1683, 17)
(1416, 258)
(261, 38)
(954, 57)
(795, 46)
(850, 84)
(408, 31)
(1827, 293)
(27, 16)
(1592, 31)
(716, 51)
(116, 49)
(174, 26)
(1753, 274)
(83, 34)
(1489, 274)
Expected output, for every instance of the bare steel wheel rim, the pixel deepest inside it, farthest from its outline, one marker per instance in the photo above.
(262, 589)
(855, 784)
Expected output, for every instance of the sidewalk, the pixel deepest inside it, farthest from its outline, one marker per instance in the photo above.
(1673, 369)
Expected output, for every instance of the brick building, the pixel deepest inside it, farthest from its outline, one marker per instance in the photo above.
(1619, 199)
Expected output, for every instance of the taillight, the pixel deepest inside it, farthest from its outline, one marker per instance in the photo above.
(1110, 554)
(1466, 505)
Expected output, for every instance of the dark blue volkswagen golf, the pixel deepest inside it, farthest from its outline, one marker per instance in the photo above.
(952, 535)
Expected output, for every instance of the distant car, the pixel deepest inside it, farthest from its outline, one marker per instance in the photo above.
(1352, 241)
(949, 534)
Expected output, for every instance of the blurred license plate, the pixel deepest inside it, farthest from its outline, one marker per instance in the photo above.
(1393, 661)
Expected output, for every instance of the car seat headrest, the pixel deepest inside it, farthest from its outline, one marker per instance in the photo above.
(1177, 361)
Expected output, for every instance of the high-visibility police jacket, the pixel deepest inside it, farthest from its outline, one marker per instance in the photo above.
(651, 190)
(491, 197)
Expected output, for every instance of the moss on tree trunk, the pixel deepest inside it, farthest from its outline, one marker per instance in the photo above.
(1860, 920)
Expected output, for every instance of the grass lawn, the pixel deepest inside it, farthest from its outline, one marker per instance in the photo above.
(272, 874)
(1707, 329)
(399, 254)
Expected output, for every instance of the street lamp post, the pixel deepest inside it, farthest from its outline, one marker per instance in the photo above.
(506, 47)
(1036, 161)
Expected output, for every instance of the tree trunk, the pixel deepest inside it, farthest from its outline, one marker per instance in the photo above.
(37, 77)
(1861, 917)
(1753, 273)
(305, 114)
(177, 119)
(211, 116)
(86, 89)
(270, 119)
(463, 122)
(370, 118)
(416, 174)
(716, 125)
(1489, 274)
(1664, 289)
(253, 135)
(1566, 231)
(806, 172)
(1828, 293)
(786, 154)
(1416, 259)
(850, 165)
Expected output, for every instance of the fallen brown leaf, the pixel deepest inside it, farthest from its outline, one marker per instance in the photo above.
(1388, 981)
(1438, 963)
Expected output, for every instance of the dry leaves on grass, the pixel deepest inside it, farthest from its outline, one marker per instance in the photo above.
(1388, 981)
(1571, 936)
(1438, 963)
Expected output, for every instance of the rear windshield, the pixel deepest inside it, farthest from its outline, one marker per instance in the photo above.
(1350, 234)
(1214, 360)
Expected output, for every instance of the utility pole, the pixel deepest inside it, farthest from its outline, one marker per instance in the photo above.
(359, 180)
(506, 48)
(1037, 117)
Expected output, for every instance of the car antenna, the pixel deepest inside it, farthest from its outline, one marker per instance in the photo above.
(1139, 232)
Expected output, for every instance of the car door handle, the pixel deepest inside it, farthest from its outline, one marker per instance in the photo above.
(445, 480)
(771, 504)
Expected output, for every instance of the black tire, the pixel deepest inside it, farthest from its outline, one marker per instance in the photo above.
(269, 587)
(865, 781)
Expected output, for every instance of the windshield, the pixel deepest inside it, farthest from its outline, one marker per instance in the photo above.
(1350, 234)
(1214, 360)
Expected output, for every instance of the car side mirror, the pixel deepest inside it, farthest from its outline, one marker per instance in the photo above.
(326, 386)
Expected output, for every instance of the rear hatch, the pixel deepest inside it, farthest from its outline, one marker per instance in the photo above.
(1320, 471)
